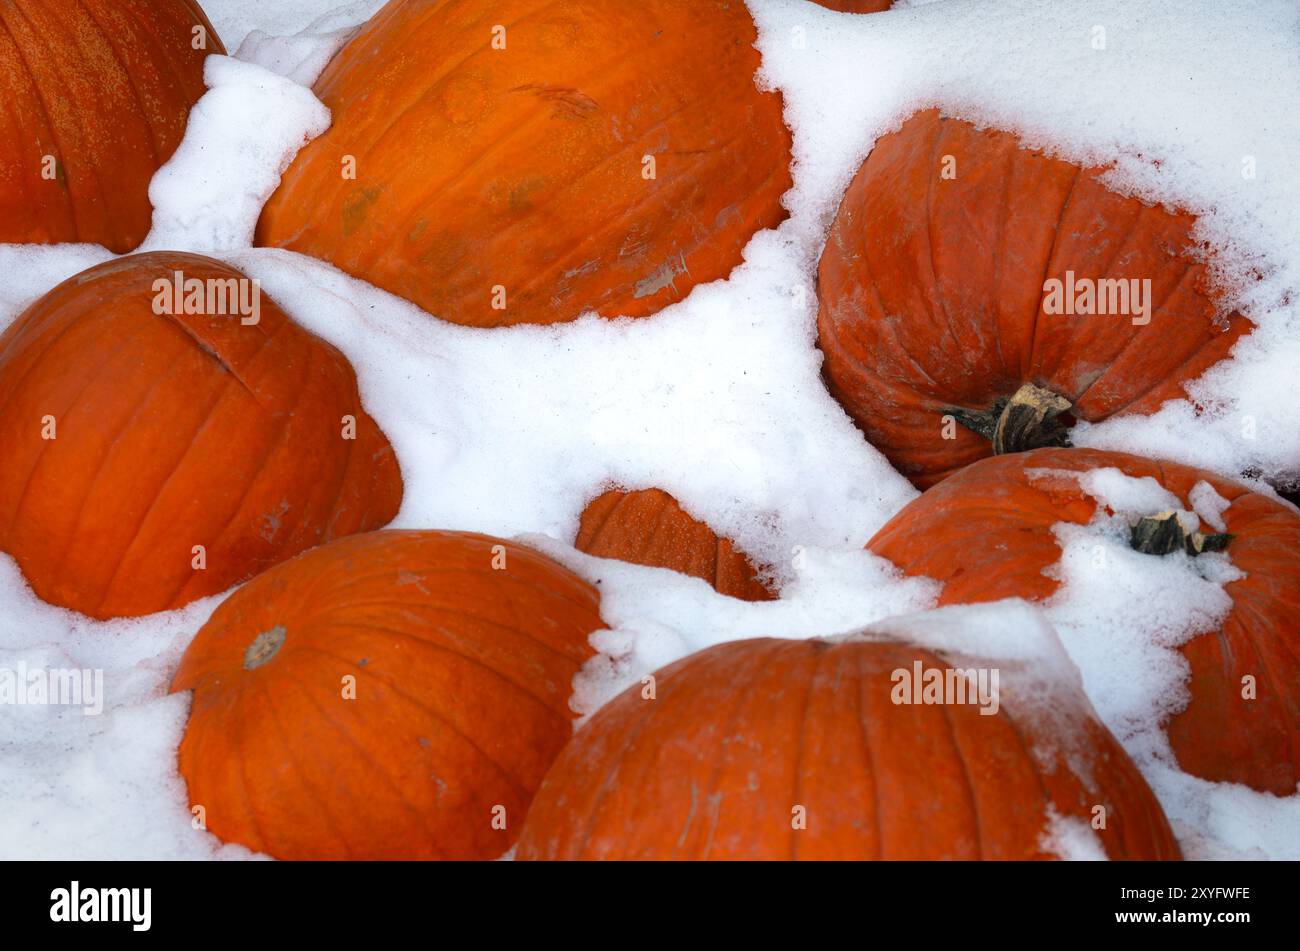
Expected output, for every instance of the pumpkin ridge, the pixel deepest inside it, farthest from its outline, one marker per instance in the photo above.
(94, 482)
(1129, 233)
(40, 456)
(524, 580)
(608, 783)
(248, 487)
(190, 578)
(431, 712)
(1133, 338)
(272, 445)
(1031, 757)
(817, 658)
(450, 648)
(441, 606)
(929, 238)
(219, 359)
(1031, 355)
(129, 74)
(870, 754)
(83, 136)
(1182, 384)
(972, 798)
(736, 708)
(56, 145)
(289, 749)
(244, 785)
(394, 783)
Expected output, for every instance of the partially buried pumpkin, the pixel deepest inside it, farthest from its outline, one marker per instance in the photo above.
(96, 95)
(986, 533)
(977, 296)
(170, 432)
(649, 527)
(394, 695)
(503, 162)
(801, 749)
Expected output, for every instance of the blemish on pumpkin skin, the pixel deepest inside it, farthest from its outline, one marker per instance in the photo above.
(566, 102)
(665, 276)
(356, 207)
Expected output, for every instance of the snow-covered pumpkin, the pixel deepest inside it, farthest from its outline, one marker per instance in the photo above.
(977, 296)
(169, 431)
(96, 95)
(797, 749)
(393, 695)
(497, 162)
(987, 533)
(649, 527)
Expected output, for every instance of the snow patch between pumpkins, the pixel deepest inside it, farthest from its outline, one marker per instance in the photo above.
(718, 400)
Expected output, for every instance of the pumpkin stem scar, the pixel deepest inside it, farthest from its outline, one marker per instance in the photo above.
(265, 646)
(1162, 534)
(1028, 420)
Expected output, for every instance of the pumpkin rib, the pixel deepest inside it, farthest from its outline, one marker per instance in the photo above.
(225, 366)
(1031, 354)
(429, 711)
(40, 456)
(929, 227)
(958, 751)
(1124, 351)
(84, 134)
(800, 745)
(272, 445)
(872, 775)
(391, 781)
(477, 618)
(76, 523)
(150, 26)
(332, 823)
(449, 648)
(247, 788)
(130, 83)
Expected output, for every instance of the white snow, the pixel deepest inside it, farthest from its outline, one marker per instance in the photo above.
(718, 400)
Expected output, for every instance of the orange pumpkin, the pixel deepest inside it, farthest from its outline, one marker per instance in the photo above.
(154, 458)
(986, 533)
(96, 94)
(649, 527)
(744, 741)
(938, 318)
(394, 695)
(524, 164)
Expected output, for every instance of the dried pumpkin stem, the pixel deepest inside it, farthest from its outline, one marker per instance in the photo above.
(1028, 420)
(1164, 533)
